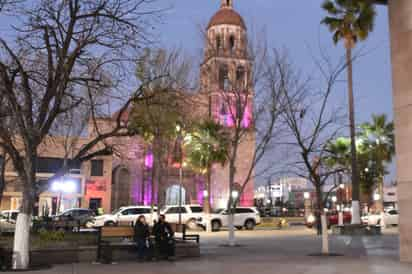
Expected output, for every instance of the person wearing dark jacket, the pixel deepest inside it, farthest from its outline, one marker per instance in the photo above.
(142, 237)
(164, 236)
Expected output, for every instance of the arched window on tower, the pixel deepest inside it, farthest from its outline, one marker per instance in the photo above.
(240, 78)
(224, 78)
(218, 43)
(232, 44)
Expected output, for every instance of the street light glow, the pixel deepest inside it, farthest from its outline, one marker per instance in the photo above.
(66, 186)
(205, 193)
(376, 197)
(235, 194)
(306, 195)
(342, 186)
(334, 199)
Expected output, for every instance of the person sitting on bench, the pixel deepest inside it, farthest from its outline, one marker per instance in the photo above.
(142, 237)
(164, 236)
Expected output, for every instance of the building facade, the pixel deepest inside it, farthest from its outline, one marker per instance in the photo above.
(126, 177)
(87, 184)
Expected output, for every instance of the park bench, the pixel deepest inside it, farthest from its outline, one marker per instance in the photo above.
(110, 237)
(181, 228)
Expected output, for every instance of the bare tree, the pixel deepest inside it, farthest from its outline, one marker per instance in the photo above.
(62, 54)
(3, 162)
(166, 105)
(7, 4)
(314, 123)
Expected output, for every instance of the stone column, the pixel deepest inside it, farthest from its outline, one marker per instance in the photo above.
(400, 16)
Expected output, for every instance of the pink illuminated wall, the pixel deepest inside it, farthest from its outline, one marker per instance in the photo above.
(225, 114)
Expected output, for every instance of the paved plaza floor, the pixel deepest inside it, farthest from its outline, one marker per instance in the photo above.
(274, 252)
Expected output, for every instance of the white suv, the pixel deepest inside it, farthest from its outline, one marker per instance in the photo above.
(190, 214)
(245, 217)
(124, 216)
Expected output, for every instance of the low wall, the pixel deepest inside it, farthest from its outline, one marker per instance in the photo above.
(87, 254)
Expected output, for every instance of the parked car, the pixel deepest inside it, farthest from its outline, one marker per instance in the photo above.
(190, 214)
(8, 220)
(388, 218)
(122, 216)
(245, 217)
(74, 217)
(332, 219)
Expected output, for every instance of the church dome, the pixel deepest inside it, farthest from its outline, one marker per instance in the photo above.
(227, 16)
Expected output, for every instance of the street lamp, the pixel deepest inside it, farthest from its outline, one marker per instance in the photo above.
(376, 197)
(334, 199)
(63, 186)
(306, 195)
(235, 194)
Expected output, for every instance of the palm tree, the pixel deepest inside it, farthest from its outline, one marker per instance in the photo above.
(339, 154)
(379, 137)
(350, 21)
(208, 144)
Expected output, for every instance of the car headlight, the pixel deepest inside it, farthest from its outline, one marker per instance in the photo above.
(311, 219)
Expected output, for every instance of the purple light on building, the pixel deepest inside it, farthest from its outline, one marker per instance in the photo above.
(148, 161)
(201, 186)
(247, 117)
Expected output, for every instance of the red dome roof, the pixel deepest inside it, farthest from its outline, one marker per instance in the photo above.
(227, 16)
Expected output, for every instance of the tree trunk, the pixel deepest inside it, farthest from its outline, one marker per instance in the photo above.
(206, 204)
(21, 248)
(323, 220)
(354, 166)
(152, 194)
(325, 236)
(2, 175)
(232, 200)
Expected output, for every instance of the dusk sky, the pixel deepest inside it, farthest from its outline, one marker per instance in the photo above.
(295, 25)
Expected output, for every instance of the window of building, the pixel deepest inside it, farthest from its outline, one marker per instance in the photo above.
(232, 44)
(218, 43)
(97, 168)
(240, 77)
(224, 78)
(53, 165)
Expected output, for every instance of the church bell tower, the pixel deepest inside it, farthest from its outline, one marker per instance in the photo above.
(226, 71)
